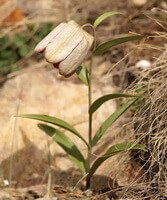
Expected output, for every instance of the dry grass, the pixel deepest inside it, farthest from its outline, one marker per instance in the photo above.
(151, 130)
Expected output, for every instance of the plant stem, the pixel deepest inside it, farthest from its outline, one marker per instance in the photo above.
(89, 159)
(49, 186)
(90, 123)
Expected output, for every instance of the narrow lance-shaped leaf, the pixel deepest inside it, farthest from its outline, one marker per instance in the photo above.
(113, 150)
(68, 146)
(96, 104)
(107, 45)
(83, 74)
(55, 121)
(104, 16)
(112, 118)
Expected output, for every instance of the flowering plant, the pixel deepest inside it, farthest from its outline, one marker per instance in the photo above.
(66, 47)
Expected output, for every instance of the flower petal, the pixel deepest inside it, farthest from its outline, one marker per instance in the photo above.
(58, 49)
(75, 59)
(77, 56)
(42, 45)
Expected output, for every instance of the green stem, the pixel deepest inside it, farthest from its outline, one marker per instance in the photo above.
(89, 159)
(49, 186)
(90, 123)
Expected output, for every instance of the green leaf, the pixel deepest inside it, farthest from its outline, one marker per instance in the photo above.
(6, 54)
(44, 30)
(19, 39)
(83, 74)
(112, 118)
(113, 150)
(31, 26)
(56, 121)
(24, 50)
(104, 16)
(14, 68)
(68, 146)
(107, 45)
(8, 57)
(4, 43)
(96, 104)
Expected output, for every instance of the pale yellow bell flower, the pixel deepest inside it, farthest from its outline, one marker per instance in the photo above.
(66, 47)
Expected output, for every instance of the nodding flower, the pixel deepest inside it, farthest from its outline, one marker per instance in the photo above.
(66, 47)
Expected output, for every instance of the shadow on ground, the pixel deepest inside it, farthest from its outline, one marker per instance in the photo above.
(33, 170)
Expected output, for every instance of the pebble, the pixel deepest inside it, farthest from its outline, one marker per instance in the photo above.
(139, 3)
(143, 64)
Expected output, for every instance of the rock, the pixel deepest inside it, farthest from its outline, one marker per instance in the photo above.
(143, 64)
(6, 7)
(31, 6)
(139, 3)
(164, 5)
(5, 196)
(88, 193)
(40, 92)
(15, 16)
(50, 198)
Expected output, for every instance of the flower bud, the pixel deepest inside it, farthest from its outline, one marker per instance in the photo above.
(66, 47)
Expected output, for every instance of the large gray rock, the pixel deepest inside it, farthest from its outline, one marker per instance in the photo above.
(5, 196)
(40, 92)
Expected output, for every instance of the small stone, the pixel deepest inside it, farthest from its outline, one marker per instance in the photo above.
(5, 196)
(6, 182)
(88, 193)
(139, 3)
(164, 5)
(143, 64)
